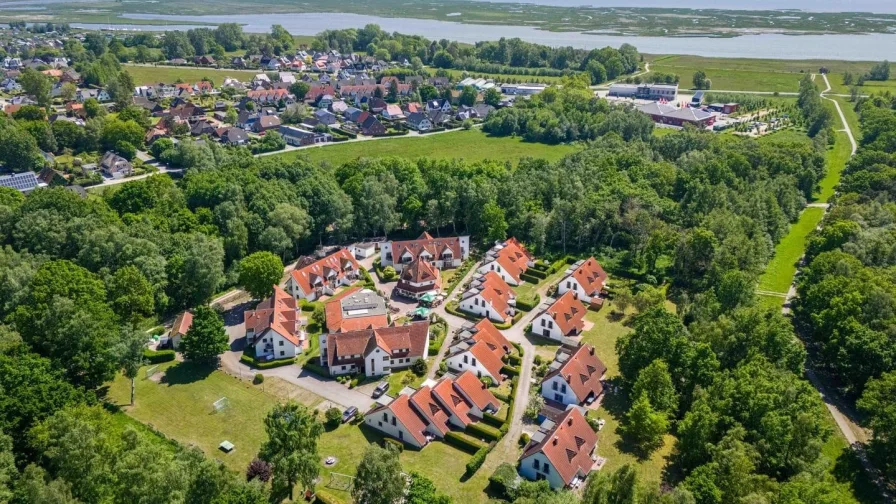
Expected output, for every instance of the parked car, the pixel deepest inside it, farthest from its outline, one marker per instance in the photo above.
(349, 414)
(380, 389)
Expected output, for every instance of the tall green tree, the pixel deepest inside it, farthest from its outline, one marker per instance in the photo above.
(131, 294)
(37, 85)
(878, 403)
(378, 479)
(206, 338)
(259, 273)
(130, 352)
(293, 432)
(645, 426)
(655, 383)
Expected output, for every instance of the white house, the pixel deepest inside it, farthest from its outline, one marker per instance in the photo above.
(586, 279)
(272, 328)
(440, 252)
(564, 318)
(399, 420)
(480, 352)
(374, 352)
(418, 279)
(509, 259)
(574, 376)
(561, 452)
(324, 276)
(182, 324)
(489, 296)
(363, 250)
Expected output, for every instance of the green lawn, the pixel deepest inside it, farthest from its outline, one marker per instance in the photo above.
(471, 145)
(787, 135)
(499, 78)
(852, 117)
(181, 408)
(603, 335)
(153, 75)
(837, 157)
(779, 274)
(401, 379)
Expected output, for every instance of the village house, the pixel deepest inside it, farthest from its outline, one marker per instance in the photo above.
(563, 319)
(490, 297)
(179, 329)
(24, 182)
(480, 350)
(299, 137)
(114, 166)
(586, 279)
(322, 277)
(439, 104)
(418, 416)
(265, 123)
(265, 96)
(325, 117)
(272, 328)
(574, 377)
(393, 112)
(440, 252)
(235, 136)
(509, 259)
(354, 309)
(663, 113)
(419, 278)
(371, 126)
(561, 452)
(375, 352)
(419, 121)
(100, 95)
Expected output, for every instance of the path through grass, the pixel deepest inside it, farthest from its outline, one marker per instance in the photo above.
(779, 274)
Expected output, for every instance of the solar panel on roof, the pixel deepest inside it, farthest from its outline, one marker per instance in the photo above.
(20, 181)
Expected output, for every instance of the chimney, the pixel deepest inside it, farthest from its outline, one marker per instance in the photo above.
(569, 421)
(591, 350)
(554, 441)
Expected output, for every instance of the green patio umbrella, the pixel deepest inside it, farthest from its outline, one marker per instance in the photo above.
(429, 297)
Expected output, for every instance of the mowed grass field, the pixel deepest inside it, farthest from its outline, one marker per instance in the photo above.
(750, 74)
(470, 145)
(779, 273)
(146, 74)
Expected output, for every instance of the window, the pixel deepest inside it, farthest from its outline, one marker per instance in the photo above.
(281, 342)
(550, 324)
(558, 397)
(474, 361)
(543, 322)
(385, 358)
(401, 435)
(568, 284)
(343, 368)
(385, 417)
(466, 359)
(393, 420)
(380, 424)
(547, 468)
(535, 464)
(554, 385)
(281, 352)
(563, 388)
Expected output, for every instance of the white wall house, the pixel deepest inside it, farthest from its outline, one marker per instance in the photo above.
(477, 305)
(537, 467)
(543, 325)
(556, 389)
(272, 343)
(467, 361)
(561, 452)
(392, 420)
(440, 252)
(351, 352)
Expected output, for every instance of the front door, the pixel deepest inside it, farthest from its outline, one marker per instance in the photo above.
(546, 333)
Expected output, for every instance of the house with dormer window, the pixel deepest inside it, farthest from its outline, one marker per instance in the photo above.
(586, 279)
(489, 296)
(323, 277)
(574, 377)
(439, 252)
(564, 318)
(509, 259)
(561, 452)
(272, 328)
(479, 352)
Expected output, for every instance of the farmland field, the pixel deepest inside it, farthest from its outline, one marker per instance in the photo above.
(147, 74)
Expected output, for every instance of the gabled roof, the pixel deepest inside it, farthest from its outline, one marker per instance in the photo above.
(278, 313)
(341, 319)
(568, 445)
(411, 336)
(487, 345)
(420, 271)
(591, 276)
(475, 390)
(495, 291)
(434, 246)
(568, 313)
(424, 402)
(316, 273)
(182, 323)
(407, 415)
(452, 400)
(582, 370)
(512, 257)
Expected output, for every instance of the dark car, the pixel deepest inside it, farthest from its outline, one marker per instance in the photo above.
(349, 414)
(380, 389)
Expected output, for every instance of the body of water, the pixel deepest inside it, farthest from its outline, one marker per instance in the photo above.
(838, 47)
(878, 6)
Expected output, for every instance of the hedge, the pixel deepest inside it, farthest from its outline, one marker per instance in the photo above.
(524, 305)
(346, 133)
(483, 431)
(462, 443)
(158, 356)
(560, 264)
(510, 371)
(493, 420)
(246, 359)
(542, 266)
(315, 368)
(536, 273)
(476, 462)
(308, 306)
(514, 360)
(398, 445)
(529, 278)
(519, 347)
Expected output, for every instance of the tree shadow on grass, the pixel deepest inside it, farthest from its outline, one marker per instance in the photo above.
(848, 469)
(616, 403)
(185, 373)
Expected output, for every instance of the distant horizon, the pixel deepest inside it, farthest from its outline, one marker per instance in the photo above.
(870, 6)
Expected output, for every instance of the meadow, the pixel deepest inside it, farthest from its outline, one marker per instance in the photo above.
(149, 74)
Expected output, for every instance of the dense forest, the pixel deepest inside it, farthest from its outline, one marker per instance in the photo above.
(847, 302)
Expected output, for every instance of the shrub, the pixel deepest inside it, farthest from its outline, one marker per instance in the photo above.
(476, 462)
(443, 368)
(463, 443)
(483, 431)
(510, 371)
(529, 278)
(493, 420)
(487, 381)
(524, 439)
(333, 416)
(528, 304)
(393, 444)
(158, 356)
(419, 367)
(250, 361)
(260, 470)
(519, 348)
(316, 369)
(514, 360)
(504, 481)
(538, 360)
(259, 379)
(353, 383)
(541, 275)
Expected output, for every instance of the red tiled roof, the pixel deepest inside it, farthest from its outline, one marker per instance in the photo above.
(583, 371)
(434, 246)
(568, 313)
(413, 422)
(269, 94)
(451, 400)
(591, 276)
(182, 323)
(488, 348)
(475, 391)
(316, 272)
(568, 445)
(411, 336)
(277, 312)
(427, 406)
(497, 293)
(513, 259)
(421, 272)
(336, 322)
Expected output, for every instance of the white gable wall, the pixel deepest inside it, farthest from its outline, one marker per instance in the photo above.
(545, 326)
(497, 268)
(478, 306)
(464, 361)
(383, 422)
(545, 470)
(571, 284)
(556, 389)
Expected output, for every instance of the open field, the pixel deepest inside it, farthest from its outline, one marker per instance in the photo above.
(852, 117)
(181, 408)
(603, 335)
(779, 273)
(837, 157)
(458, 74)
(470, 145)
(146, 74)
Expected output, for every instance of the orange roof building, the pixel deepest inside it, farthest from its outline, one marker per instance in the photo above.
(480, 352)
(564, 318)
(438, 252)
(587, 279)
(321, 278)
(374, 352)
(273, 329)
(355, 309)
(509, 259)
(489, 296)
(182, 324)
(430, 412)
(560, 452)
(419, 278)
(575, 376)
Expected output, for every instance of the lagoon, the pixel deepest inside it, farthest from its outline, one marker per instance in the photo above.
(774, 46)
